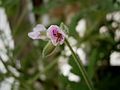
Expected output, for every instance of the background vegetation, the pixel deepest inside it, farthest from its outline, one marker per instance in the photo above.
(98, 41)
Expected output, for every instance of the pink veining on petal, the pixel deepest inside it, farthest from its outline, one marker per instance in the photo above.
(56, 35)
(52, 30)
(62, 40)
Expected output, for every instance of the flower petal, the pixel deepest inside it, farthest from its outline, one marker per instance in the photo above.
(51, 30)
(54, 42)
(56, 35)
(39, 27)
(34, 35)
(39, 32)
(62, 40)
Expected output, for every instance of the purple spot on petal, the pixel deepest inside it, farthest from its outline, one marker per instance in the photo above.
(54, 33)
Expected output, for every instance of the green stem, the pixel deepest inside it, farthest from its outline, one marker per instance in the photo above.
(81, 67)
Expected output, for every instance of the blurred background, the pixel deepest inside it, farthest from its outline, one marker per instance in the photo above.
(94, 34)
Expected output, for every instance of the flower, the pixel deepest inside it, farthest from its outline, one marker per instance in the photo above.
(39, 32)
(56, 35)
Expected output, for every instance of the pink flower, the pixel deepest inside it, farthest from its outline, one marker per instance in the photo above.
(56, 35)
(39, 32)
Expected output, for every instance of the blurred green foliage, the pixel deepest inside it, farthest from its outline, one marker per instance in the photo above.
(37, 73)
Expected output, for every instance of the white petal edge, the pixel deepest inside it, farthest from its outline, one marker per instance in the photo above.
(34, 35)
(39, 27)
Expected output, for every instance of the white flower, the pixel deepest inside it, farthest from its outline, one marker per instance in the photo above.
(39, 32)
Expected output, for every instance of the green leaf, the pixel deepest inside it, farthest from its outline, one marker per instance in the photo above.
(48, 49)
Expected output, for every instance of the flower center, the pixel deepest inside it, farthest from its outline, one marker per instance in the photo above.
(58, 35)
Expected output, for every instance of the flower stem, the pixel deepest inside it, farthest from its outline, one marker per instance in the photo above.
(81, 67)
